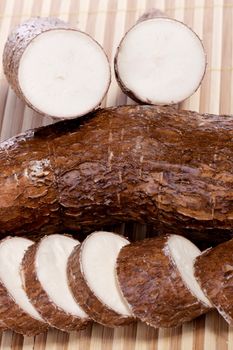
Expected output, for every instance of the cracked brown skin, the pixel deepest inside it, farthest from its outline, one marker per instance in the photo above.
(53, 314)
(15, 318)
(17, 42)
(85, 297)
(168, 168)
(153, 287)
(214, 272)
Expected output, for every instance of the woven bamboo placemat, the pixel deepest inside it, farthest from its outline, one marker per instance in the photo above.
(106, 21)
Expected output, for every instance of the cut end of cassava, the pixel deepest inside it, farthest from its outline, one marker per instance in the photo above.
(92, 277)
(18, 312)
(214, 272)
(157, 279)
(160, 61)
(64, 73)
(44, 271)
(57, 70)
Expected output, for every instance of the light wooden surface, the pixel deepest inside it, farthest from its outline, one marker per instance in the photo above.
(106, 21)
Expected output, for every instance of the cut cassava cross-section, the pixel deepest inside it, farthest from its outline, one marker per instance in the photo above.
(44, 270)
(160, 61)
(214, 272)
(16, 309)
(157, 279)
(55, 69)
(92, 278)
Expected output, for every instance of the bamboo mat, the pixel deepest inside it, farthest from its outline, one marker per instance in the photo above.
(106, 21)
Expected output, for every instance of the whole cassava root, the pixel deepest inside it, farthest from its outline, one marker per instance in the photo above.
(168, 168)
(56, 69)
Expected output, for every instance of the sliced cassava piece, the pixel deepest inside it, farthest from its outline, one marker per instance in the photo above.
(44, 271)
(57, 70)
(214, 272)
(160, 61)
(161, 166)
(157, 279)
(16, 310)
(92, 278)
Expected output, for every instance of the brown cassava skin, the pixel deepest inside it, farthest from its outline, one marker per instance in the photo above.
(16, 44)
(54, 315)
(152, 285)
(155, 165)
(15, 318)
(94, 307)
(214, 272)
(3, 326)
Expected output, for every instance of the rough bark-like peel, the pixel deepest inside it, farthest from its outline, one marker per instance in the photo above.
(214, 271)
(168, 168)
(152, 284)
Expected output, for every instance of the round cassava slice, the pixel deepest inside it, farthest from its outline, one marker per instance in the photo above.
(157, 279)
(16, 309)
(160, 61)
(92, 278)
(214, 272)
(57, 70)
(44, 271)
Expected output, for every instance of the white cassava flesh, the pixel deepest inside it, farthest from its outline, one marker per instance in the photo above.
(12, 251)
(64, 73)
(160, 61)
(51, 264)
(99, 254)
(45, 274)
(99, 292)
(57, 70)
(21, 316)
(184, 253)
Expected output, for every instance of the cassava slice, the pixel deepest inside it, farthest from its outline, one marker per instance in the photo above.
(44, 270)
(214, 272)
(57, 70)
(16, 309)
(160, 61)
(91, 274)
(157, 279)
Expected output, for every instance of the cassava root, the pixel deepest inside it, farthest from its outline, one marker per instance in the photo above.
(159, 60)
(214, 272)
(168, 168)
(57, 70)
(152, 280)
(44, 273)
